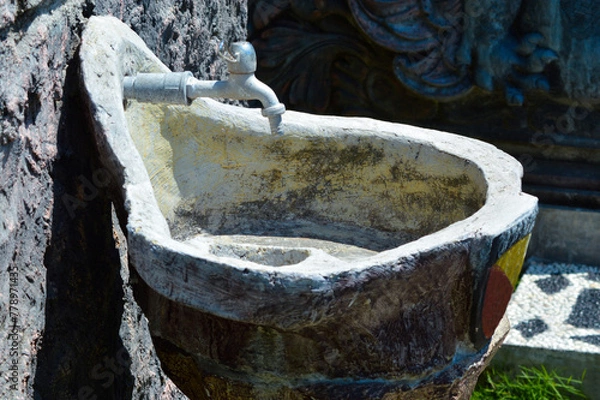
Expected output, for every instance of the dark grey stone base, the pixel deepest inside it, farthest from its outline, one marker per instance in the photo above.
(564, 234)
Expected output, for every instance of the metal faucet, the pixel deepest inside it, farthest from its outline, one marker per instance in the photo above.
(182, 87)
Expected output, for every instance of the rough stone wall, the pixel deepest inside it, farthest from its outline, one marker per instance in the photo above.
(69, 326)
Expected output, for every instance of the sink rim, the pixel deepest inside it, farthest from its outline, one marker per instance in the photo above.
(502, 176)
(180, 279)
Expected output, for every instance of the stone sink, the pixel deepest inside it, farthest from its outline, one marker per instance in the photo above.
(347, 258)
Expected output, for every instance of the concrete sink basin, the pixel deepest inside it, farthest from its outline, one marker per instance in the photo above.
(346, 258)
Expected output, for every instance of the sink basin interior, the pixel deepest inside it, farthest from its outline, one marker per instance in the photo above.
(348, 191)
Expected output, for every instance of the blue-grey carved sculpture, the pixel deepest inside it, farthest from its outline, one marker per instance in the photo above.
(440, 49)
(444, 47)
(522, 74)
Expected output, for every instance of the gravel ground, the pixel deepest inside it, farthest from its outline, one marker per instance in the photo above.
(557, 306)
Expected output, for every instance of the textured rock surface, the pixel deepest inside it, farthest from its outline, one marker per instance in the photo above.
(68, 322)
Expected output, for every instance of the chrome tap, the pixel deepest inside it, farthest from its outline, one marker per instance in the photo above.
(182, 87)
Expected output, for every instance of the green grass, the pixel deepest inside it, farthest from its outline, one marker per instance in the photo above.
(529, 383)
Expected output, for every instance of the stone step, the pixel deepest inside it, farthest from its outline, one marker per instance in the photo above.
(555, 321)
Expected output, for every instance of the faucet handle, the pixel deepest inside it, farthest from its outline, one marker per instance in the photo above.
(240, 57)
(224, 53)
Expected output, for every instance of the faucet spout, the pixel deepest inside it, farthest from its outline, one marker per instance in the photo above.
(182, 87)
(241, 87)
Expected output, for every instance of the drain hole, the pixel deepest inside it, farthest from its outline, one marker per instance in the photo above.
(273, 256)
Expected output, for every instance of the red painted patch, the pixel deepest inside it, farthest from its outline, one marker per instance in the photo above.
(497, 295)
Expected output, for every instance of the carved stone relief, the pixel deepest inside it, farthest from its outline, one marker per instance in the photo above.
(522, 74)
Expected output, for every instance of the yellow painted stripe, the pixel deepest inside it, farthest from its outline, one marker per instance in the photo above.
(511, 262)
